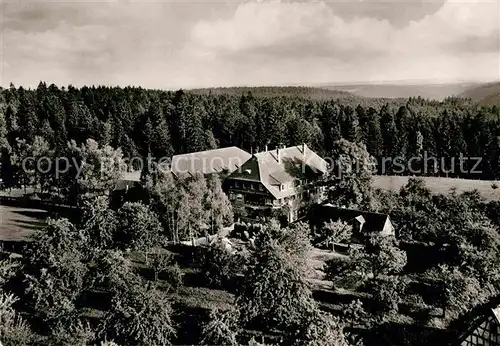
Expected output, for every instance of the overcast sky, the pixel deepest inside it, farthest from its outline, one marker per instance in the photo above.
(173, 44)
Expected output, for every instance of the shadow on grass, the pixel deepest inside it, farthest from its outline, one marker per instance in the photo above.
(189, 321)
(37, 214)
(95, 299)
(390, 333)
(32, 225)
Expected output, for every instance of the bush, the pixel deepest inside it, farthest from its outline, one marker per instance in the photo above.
(221, 328)
(173, 275)
(17, 333)
(241, 228)
(319, 329)
(331, 233)
(415, 299)
(138, 227)
(336, 270)
(77, 334)
(388, 293)
(219, 266)
(160, 262)
(13, 329)
(139, 316)
(109, 343)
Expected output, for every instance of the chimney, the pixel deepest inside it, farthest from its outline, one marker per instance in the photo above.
(257, 150)
(265, 148)
(360, 222)
(304, 147)
(278, 154)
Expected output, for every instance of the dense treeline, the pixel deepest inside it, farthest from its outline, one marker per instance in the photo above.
(163, 123)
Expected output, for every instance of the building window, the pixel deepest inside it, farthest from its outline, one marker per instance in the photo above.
(282, 187)
(252, 186)
(261, 188)
(236, 184)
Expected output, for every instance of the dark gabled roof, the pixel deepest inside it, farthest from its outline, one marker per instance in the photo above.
(468, 322)
(297, 162)
(373, 222)
(250, 170)
(209, 161)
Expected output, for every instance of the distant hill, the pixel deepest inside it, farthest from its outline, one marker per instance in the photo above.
(294, 91)
(485, 94)
(428, 91)
(385, 92)
(314, 93)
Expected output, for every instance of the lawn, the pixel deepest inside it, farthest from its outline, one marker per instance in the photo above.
(18, 224)
(440, 185)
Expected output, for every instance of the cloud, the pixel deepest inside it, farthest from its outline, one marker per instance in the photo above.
(262, 25)
(196, 44)
(305, 34)
(100, 42)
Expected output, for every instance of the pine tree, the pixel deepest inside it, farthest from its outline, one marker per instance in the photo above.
(389, 137)
(374, 141)
(350, 125)
(27, 119)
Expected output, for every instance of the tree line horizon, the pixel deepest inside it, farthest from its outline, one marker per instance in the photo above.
(159, 123)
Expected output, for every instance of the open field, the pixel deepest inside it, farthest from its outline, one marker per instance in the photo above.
(17, 224)
(440, 185)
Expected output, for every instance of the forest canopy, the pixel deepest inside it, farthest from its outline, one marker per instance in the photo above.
(163, 123)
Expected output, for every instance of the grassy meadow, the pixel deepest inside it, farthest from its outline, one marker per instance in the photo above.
(441, 185)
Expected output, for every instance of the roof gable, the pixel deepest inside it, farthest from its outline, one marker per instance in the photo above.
(373, 222)
(273, 168)
(250, 170)
(474, 318)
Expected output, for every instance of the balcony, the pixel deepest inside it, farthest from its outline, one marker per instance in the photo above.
(258, 207)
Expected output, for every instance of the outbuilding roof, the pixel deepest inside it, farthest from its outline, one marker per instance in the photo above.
(372, 222)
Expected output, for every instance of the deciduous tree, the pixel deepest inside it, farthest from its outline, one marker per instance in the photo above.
(350, 177)
(138, 227)
(139, 316)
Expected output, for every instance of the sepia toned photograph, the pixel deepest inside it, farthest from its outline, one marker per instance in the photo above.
(250, 172)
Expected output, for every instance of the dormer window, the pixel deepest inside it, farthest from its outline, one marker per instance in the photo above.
(248, 171)
(282, 187)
